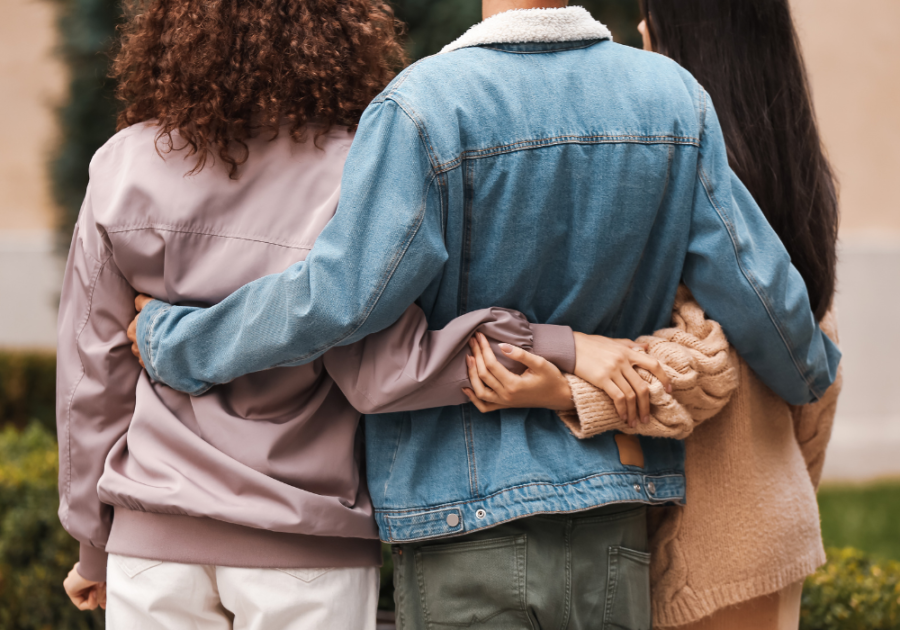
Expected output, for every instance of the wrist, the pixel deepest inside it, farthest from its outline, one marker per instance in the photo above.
(580, 339)
(564, 396)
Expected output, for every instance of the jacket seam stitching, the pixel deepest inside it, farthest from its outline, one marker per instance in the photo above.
(387, 480)
(752, 281)
(171, 228)
(642, 502)
(420, 129)
(392, 265)
(537, 52)
(150, 330)
(403, 77)
(524, 145)
(406, 512)
(87, 317)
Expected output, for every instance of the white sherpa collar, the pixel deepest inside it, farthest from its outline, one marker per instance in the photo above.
(522, 26)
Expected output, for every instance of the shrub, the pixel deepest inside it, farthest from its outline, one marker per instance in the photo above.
(28, 388)
(852, 592)
(35, 551)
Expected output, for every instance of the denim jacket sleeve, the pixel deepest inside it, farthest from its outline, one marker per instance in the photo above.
(373, 260)
(742, 276)
(376, 256)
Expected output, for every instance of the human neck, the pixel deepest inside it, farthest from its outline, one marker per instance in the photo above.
(493, 7)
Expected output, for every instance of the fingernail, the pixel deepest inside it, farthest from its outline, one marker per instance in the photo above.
(669, 388)
(645, 419)
(507, 349)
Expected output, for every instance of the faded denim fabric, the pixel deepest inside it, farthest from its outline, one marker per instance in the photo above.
(578, 183)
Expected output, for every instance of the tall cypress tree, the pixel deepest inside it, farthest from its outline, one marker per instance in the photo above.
(87, 29)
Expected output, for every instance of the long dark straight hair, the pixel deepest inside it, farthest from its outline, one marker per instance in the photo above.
(747, 55)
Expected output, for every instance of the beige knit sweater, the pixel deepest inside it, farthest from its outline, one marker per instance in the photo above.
(750, 525)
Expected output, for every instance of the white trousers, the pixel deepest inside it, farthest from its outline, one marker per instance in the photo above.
(153, 595)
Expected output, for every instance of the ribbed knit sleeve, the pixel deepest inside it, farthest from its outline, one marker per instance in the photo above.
(701, 365)
(813, 423)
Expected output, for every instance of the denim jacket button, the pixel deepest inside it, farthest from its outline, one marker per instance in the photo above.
(651, 487)
(480, 514)
(637, 487)
(453, 520)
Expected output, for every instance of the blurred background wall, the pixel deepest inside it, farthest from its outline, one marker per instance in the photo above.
(32, 82)
(852, 50)
(856, 86)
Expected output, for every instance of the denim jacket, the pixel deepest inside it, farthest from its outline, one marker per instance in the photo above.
(538, 166)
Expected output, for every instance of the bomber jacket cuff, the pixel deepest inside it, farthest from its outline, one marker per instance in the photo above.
(92, 563)
(556, 344)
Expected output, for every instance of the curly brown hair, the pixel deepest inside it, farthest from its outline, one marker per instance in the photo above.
(221, 71)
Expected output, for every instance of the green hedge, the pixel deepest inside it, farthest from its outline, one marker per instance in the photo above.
(36, 553)
(28, 389)
(852, 592)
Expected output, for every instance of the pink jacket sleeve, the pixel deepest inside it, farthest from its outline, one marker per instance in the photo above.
(96, 380)
(408, 367)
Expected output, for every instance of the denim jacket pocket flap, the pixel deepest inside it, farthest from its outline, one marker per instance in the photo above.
(422, 525)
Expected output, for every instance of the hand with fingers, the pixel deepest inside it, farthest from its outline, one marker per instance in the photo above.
(495, 387)
(139, 303)
(609, 365)
(85, 594)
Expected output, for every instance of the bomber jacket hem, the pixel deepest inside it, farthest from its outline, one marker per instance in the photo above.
(464, 517)
(194, 540)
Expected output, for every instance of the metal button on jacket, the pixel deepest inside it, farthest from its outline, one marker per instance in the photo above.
(480, 514)
(637, 487)
(453, 520)
(651, 487)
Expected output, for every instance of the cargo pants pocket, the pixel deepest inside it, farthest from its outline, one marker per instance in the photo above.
(628, 590)
(477, 584)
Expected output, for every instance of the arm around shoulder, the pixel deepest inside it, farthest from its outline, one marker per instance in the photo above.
(371, 262)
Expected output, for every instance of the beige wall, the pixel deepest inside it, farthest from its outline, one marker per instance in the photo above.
(31, 83)
(852, 50)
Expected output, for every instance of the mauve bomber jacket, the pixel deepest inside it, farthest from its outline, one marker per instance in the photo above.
(263, 471)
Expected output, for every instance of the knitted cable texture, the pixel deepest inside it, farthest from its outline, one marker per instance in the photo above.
(751, 524)
(697, 358)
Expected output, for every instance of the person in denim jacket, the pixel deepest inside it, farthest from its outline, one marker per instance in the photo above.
(534, 165)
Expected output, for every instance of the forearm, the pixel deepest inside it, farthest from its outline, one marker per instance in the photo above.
(408, 367)
(700, 364)
(372, 261)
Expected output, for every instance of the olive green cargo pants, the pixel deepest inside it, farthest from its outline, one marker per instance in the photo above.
(584, 571)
